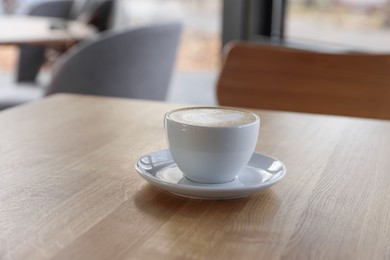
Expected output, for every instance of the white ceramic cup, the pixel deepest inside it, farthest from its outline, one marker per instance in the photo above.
(211, 154)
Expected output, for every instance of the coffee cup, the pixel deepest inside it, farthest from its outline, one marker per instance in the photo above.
(211, 144)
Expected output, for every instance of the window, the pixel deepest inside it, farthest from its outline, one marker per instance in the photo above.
(201, 40)
(359, 24)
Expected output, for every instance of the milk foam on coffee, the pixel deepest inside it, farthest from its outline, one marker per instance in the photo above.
(214, 117)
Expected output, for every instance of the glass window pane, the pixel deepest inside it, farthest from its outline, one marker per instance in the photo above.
(360, 24)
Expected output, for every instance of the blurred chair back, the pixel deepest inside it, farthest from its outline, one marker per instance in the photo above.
(279, 78)
(32, 58)
(135, 63)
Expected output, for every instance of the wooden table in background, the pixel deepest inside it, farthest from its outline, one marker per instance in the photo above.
(69, 190)
(33, 30)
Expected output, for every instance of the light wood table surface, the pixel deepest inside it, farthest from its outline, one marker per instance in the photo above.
(34, 30)
(69, 190)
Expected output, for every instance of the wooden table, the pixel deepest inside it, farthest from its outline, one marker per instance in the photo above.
(33, 30)
(69, 190)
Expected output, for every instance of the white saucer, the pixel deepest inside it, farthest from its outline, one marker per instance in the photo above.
(159, 169)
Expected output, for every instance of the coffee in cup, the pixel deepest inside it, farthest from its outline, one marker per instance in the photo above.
(211, 144)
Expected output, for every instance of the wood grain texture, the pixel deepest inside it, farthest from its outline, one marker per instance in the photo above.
(277, 78)
(69, 190)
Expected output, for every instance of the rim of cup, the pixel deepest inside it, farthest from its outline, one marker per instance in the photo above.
(167, 116)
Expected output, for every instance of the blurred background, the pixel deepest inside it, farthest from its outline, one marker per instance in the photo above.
(331, 25)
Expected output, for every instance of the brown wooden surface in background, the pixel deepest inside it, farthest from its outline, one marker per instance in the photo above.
(270, 77)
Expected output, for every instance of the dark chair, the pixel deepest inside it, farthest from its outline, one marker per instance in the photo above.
(280, 78)
(135, 63)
